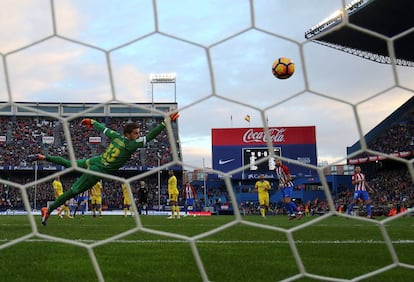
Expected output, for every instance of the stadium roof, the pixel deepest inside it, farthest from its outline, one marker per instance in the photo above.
(114, 109)
(385, 17)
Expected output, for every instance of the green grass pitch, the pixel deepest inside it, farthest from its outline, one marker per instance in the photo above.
(333, 247)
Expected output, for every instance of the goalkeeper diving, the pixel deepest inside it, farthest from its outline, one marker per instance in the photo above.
(119, 151)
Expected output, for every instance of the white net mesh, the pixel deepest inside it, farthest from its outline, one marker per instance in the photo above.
(208, 63)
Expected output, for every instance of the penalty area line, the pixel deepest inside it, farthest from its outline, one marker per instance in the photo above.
(121, 241)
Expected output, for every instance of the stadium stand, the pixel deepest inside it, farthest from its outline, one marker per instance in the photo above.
(395, 134)
(391, 179)
(25, 134)
(22, 134)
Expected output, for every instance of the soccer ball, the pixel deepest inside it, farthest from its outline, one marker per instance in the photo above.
(283, 68)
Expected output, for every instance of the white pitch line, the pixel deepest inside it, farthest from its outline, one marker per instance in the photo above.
(234, 241)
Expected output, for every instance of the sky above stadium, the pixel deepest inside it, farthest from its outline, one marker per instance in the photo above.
(61, 56)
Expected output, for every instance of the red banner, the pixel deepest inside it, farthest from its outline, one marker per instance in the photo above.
(95, 139)
(378, 158)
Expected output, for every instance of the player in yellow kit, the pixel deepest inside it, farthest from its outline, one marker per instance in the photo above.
(262, 187)
(58, 190)
(173, 195)
(127, 200)
(96, 195)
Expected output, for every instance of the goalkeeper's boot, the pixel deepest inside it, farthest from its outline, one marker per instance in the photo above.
(292, 217)
(35, 157)
(45, 216)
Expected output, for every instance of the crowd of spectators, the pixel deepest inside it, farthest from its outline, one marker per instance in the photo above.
(393, 189)
(399, 137)
(393, 185)
(316, 207)
(25, 135)
(41, 193)
(112, 198)
(22, 136)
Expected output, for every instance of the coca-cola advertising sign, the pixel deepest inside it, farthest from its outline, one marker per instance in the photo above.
(277, 135)
(233, 148)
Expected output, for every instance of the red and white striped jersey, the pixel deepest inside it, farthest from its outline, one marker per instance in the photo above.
(283, 173)
(360, 186)
(189, 192)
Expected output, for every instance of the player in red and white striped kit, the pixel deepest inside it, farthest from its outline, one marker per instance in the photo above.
(189, 194)
(286, 184)
(361, 187)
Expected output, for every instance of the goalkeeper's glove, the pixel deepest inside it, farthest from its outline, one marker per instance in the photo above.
(87, 122)
(174, 116)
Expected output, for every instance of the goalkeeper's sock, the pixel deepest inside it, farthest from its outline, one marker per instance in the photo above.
(58, 160)
(61, 200)
(351, 206)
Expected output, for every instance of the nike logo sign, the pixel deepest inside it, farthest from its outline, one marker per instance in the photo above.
(222, 162)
